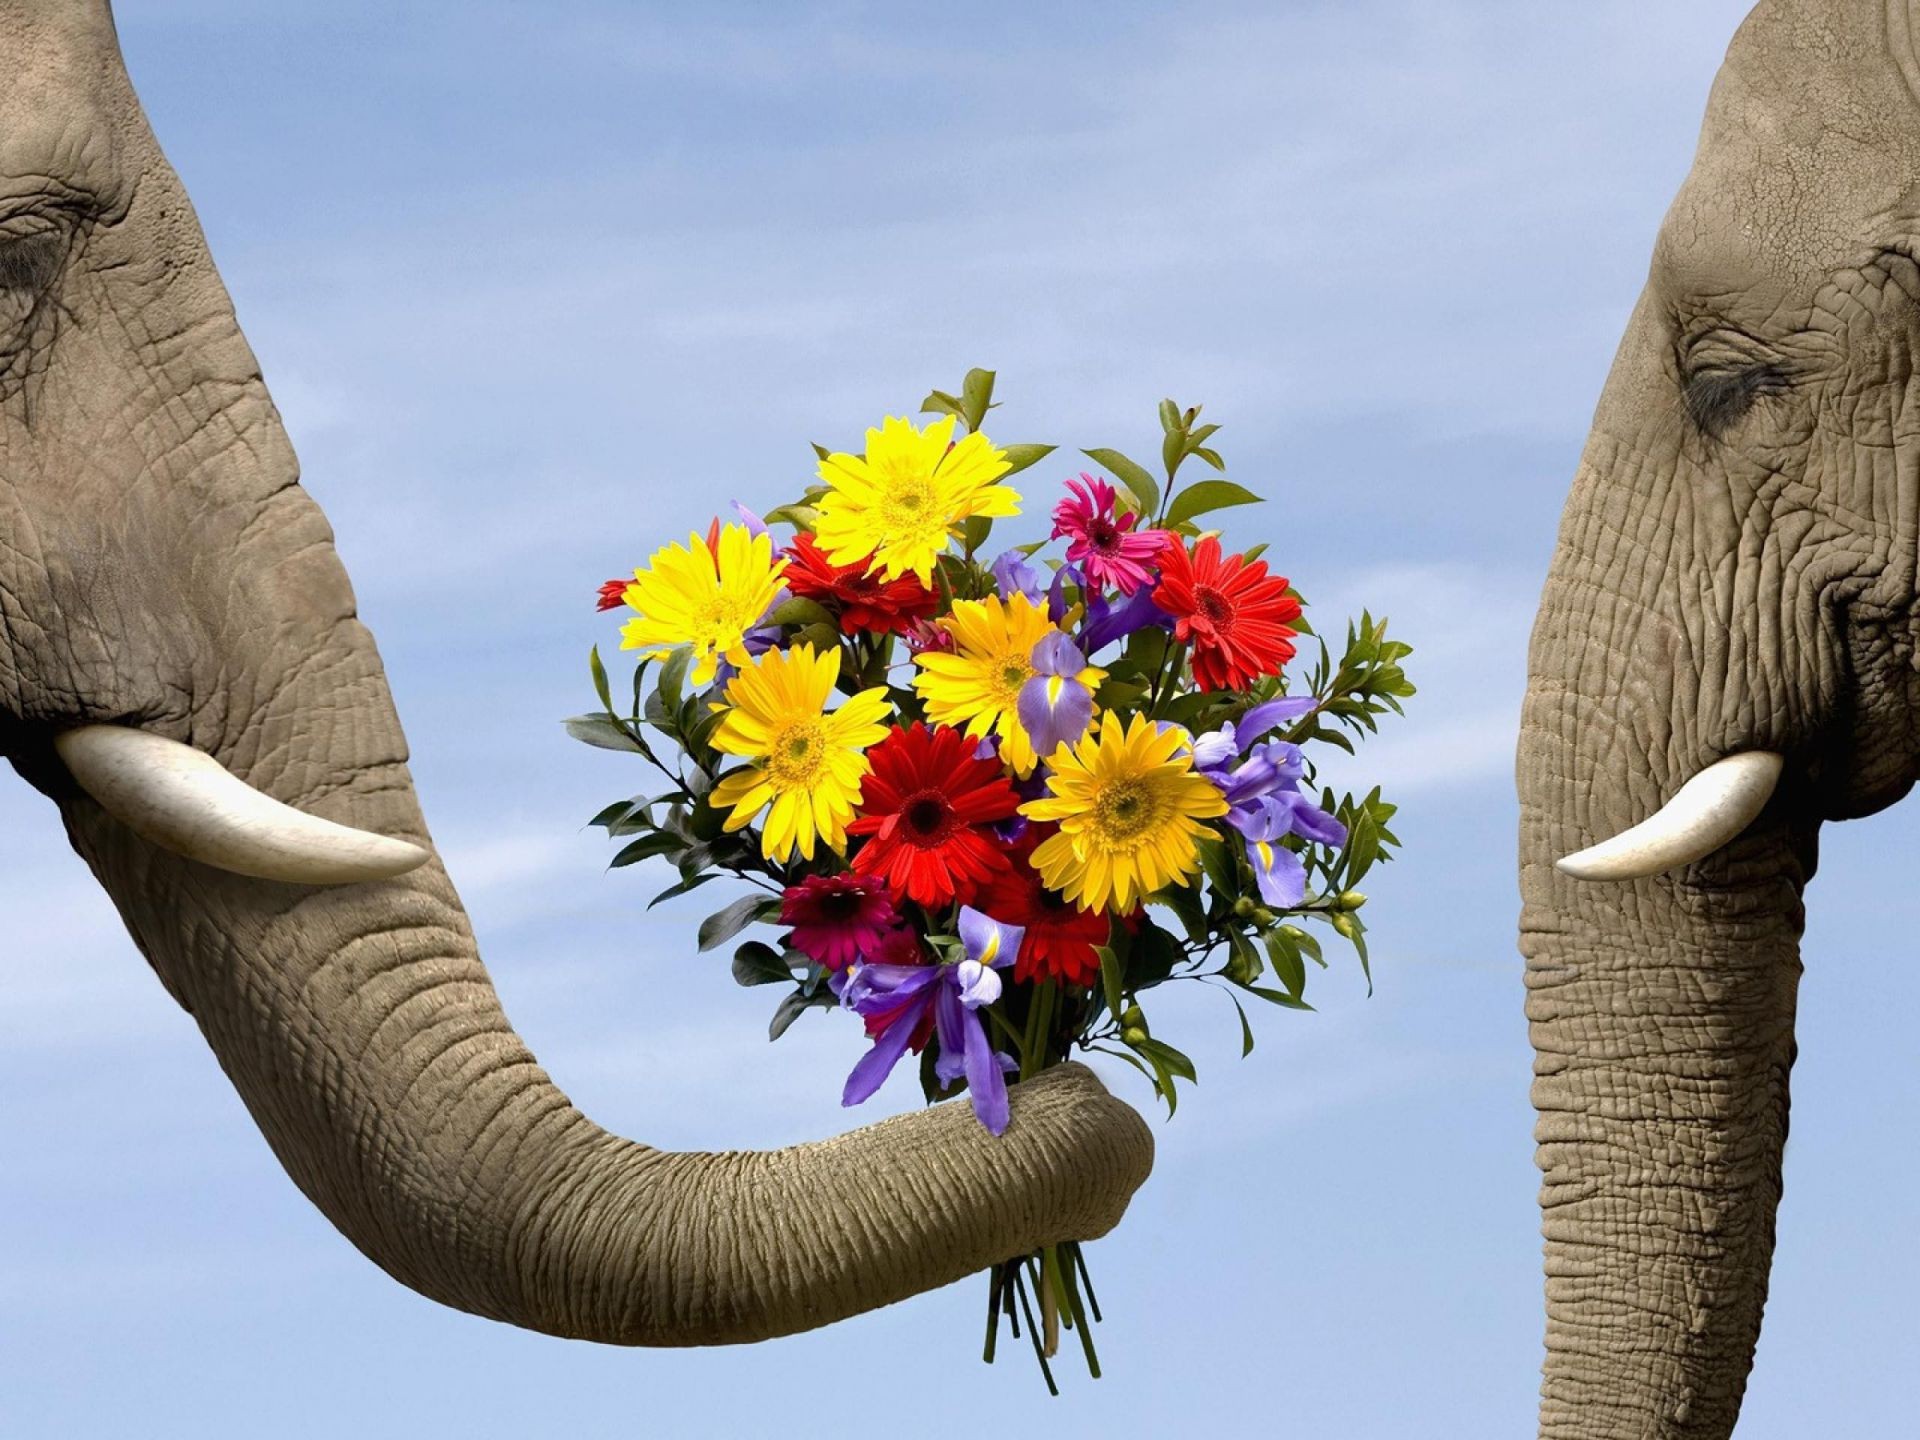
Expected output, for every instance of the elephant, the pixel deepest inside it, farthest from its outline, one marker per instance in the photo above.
(184, 674)
(1723, 659)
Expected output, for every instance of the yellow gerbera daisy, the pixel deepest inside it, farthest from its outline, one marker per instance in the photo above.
(908, 496)
(978, 684)
(808, 765)
(1129, 806)
(708, 597)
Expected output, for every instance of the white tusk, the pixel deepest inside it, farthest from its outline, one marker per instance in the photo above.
(185, 801)
(1704, 814)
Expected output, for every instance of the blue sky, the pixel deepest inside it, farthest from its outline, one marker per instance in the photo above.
(537, 286)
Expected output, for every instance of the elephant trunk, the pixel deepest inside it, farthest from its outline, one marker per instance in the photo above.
(361, 1030)
(1661, 1014)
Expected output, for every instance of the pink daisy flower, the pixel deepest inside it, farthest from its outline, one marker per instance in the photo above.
(837, 919)
(1105, 545)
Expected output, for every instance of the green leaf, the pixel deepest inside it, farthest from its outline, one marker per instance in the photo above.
(939, 402)
(1141, 488)
(1306, 942)
(801, 517)
(793, 1007)
(1111, 966)
(618, 811)
(799, 611)
(1218, 866)
(1246, 1030)
(757, 963)
(1278, 997)
(1288, 967)
(1170, 418)
(1151, 957)
(723, 925)
(1178, 1063)
(673, 675)
(976, 397)
(1173, 449)
(661, 842)
(682, 888)
(1184, 902)
(1019, 457)
(975, 531)
(600, 686)
(602, 732)
(1208, 495)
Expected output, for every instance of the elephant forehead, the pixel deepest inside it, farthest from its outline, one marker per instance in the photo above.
(1809, 158)
(63, 105)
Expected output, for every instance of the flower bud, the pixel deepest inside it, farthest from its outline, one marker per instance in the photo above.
(1351, 900)
(1346, 925)
(1243, 907)
(1242, 969)
(1133, 1035)
(1262, 916)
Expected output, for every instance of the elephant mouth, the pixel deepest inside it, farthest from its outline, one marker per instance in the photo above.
(1704, 814)
(185, 801)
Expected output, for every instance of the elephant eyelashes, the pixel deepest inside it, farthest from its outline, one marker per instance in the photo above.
(31, 263)
(1719, 397)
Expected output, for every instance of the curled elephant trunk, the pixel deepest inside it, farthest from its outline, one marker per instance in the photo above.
(183, 670)
(360, 1028)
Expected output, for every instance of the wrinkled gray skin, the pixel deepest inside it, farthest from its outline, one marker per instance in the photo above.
(1735, 571)
(161, 566)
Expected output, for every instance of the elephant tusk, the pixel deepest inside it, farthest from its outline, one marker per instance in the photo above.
(1704, 814)
(184, 800)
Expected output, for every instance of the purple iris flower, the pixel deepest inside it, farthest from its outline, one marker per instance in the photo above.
(1107, 622)
(901, 994)
(1057, 592)
(1263, 796)
(1054, 707)
(1015, 574)
(755, 525)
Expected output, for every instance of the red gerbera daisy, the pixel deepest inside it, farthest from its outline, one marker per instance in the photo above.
(1061, 937)
(837, 919)
(866, 602)
(1233, 613)
(922, 803)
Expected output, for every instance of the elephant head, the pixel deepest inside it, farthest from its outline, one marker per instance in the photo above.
(1723, 660)
(183, 673)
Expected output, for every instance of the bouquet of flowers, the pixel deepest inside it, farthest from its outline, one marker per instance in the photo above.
(987, 804)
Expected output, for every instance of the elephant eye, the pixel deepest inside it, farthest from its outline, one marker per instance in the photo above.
(29, 264)
(30, 269)
(1718, 396)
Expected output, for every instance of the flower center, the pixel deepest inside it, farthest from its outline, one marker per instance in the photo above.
(910, 506)
(928, 818)
(1005, 675)
(1217, 608)
(720, 620)
(1103, 534)
(1124, 811)
(837, 907)
(797, 753)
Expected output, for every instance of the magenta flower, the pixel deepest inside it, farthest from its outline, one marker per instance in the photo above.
(1102, 542)
(838, 919)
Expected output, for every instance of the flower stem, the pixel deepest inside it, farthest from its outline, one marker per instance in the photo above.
(1033, 1333)
(995, 1278)
(1033, 1052)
